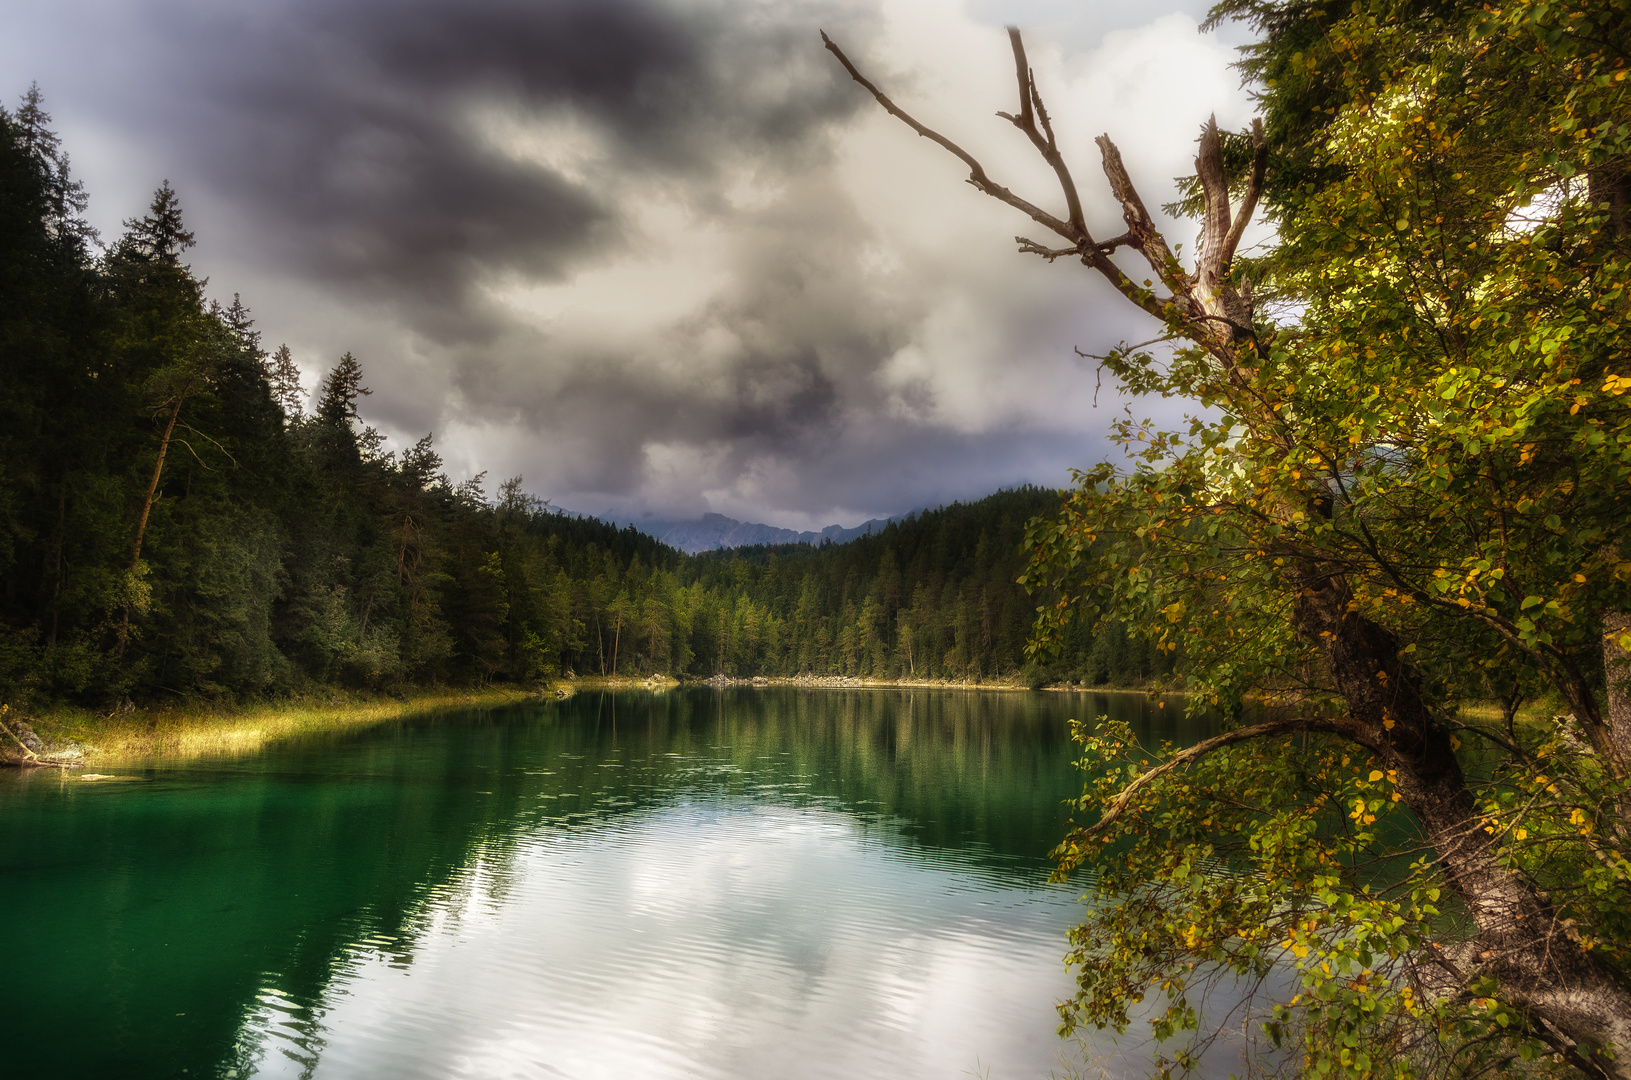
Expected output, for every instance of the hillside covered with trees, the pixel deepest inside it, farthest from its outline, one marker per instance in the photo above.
(174, 522)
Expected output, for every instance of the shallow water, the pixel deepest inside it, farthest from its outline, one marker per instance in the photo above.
(712, 884)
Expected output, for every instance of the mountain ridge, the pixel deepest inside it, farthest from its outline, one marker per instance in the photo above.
(711, 532)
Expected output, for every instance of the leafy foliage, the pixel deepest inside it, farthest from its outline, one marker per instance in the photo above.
(1409, 493)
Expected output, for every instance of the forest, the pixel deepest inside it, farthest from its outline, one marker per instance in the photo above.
(177, 520)
(1385, 555)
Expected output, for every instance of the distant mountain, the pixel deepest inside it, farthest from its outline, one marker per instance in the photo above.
(712, 531)
(718, 531)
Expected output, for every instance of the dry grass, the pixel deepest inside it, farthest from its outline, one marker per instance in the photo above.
(194, 731)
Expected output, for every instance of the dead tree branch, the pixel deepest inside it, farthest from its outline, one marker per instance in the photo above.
(1043, 140)
(1214, 314)
(976, 172)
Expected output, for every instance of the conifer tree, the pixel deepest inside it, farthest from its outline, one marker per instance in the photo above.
(283, 376)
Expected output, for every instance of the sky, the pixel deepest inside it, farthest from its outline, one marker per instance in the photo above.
(655, 256)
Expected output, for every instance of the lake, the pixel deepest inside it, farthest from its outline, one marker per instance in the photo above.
(700, 883)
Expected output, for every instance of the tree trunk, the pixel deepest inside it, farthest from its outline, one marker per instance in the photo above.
(147, 508)
(1520, 940)
(1617, 672)
(153, 484)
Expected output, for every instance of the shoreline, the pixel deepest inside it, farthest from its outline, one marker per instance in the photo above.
(178, 734)
(838, 682)
(194, 732)
(204, 731)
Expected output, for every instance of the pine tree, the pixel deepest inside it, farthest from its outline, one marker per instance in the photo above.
(159, 236)
(283, 376)
(338, 404)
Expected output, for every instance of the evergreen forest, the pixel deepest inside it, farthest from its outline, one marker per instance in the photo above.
(177, 520)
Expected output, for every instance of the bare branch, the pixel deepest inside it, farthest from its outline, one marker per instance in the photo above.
(1028, 246)
(1122, 349)
(1141, 230)
(1201, 749)
(1187, 299)
(193, 452)
(977, 175)
(1043, 140)
(218, 446)
(1254, 188)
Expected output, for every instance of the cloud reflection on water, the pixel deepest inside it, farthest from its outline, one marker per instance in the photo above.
(711, 940)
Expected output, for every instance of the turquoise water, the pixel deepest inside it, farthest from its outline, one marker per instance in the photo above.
(702, 883)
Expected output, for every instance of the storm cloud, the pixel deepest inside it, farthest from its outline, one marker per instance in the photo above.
(652, 254)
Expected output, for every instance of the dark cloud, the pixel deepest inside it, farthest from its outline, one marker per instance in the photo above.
(610, 244)
(352, 126)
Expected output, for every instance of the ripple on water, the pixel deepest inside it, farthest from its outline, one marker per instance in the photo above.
(705, 940)
(799, 890)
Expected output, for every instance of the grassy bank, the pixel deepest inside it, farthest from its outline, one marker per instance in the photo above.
(189, 731)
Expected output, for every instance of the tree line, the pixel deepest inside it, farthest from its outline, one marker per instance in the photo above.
(176, 522)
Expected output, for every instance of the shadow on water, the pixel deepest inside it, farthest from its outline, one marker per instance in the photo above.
(198, 923)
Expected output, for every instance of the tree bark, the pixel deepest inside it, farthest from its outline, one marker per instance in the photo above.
(1617, 673)
(1520, 940)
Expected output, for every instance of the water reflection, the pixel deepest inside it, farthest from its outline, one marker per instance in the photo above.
(800, 883)
(704, 939)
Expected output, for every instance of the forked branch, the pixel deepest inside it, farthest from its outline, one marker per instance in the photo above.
(976, 172)
(1213, 313)
(1043, 140)
(1031, 247)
